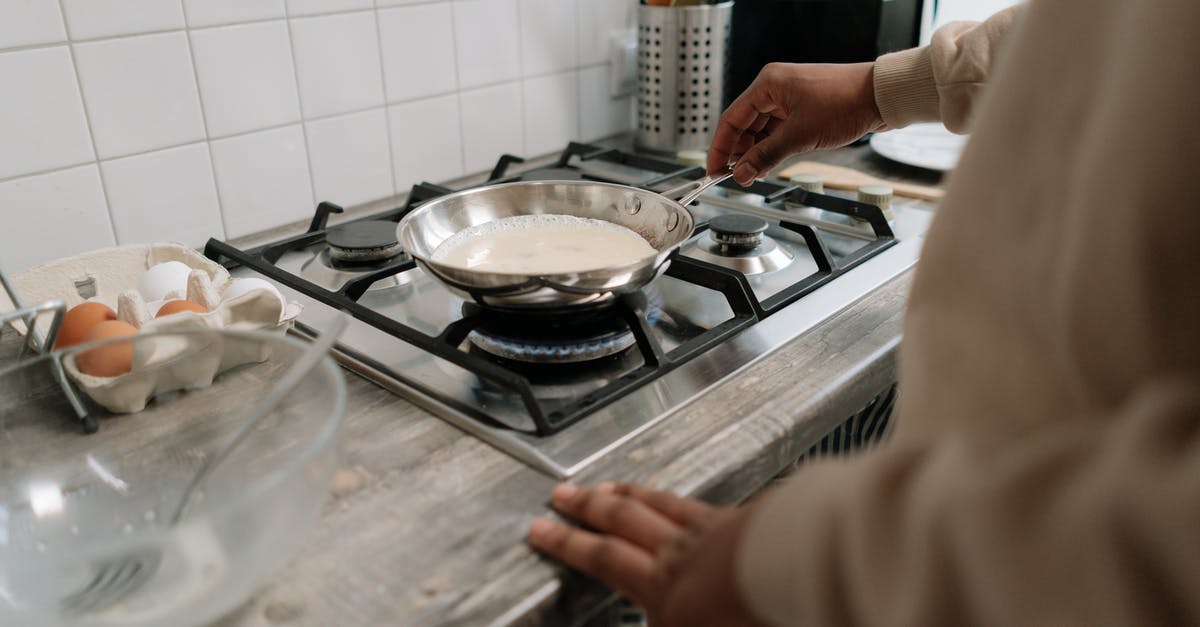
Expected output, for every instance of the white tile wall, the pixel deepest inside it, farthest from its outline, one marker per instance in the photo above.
(418, 51)
(89, 19)
(492, 124)
(41, 117)
(64, 209)
(337, 62)
(426, 141)
(598, 20)
(392, 3)
(548, 36)
(140, 93)
(246, 77)
(549, 124)
(26, 22)
(263, 179)
(599, 115)
(349, 155)
(488, 38)
(159, 120)
(310, 7)
(166, 195)
(214, 12)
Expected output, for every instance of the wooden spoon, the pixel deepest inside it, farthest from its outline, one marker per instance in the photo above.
(839, 177)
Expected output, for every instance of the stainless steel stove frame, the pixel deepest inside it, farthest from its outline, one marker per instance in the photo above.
(561, 441)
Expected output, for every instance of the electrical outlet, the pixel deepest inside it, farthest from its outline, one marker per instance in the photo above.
(622, 63)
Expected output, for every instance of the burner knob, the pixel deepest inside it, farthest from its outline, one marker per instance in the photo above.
(692, 157)
(878, 195)
(737, 231)
(809, 182)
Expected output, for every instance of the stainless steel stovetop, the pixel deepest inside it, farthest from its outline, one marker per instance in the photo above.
(696, 330)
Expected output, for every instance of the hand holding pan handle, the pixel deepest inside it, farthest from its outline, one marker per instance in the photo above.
(703, 183)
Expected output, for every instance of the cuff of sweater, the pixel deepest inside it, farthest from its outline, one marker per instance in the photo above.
(905, 91)
(763, 566)
(787, 537)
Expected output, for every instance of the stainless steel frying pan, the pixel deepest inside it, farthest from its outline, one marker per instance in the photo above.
(664, 222)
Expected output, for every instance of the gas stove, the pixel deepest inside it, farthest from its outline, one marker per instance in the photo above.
(558, 391)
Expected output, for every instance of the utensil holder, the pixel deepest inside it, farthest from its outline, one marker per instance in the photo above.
(683, 57)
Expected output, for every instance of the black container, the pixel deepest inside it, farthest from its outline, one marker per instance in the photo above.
(816, 31)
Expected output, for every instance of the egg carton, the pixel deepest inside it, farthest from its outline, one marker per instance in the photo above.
(184, 361)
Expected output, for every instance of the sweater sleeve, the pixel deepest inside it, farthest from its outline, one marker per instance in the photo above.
(1093, 521)
(941, 81)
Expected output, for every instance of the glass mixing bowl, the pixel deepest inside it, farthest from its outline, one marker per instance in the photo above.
(86, 536)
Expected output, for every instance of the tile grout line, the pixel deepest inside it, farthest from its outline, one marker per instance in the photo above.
(186, 27)
(374, 5)
(39, 46)
(87, 118)
(462, 129)
(312, 179)
(387, 118)
(303, 121)
(212, 160)
(518, 79)
(521, 77)
(62, 14)
(273, 127)
(578, 70)
(54, 170)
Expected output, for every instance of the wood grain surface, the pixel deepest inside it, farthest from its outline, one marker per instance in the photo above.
(425, 524)
(841, 177)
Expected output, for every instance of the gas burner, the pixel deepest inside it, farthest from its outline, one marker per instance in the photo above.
(553, 351)
(354, 250)
(365, 242)
(542, 391)
(558, 383)
(326, 272)
(738, 242)
(557, 338)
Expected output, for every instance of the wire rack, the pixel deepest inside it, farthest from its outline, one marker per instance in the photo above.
(34, 344)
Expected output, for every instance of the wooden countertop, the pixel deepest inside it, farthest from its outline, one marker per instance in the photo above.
(426, 523)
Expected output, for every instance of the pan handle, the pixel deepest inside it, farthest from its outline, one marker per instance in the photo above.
(703, 183)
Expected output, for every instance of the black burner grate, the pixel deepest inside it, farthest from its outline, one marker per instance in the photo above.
(746, 308)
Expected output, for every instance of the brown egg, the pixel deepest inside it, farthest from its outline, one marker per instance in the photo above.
(79, 320)
(176, 306)
(109, 360)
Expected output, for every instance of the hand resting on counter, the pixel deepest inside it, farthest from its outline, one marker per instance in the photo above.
(673, 556)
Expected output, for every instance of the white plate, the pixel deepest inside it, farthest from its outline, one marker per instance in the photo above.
(928, 146)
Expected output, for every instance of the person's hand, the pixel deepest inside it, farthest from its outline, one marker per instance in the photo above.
(791, 108)
(672, 556)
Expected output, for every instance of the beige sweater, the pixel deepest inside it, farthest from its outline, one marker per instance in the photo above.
(1045, 469)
